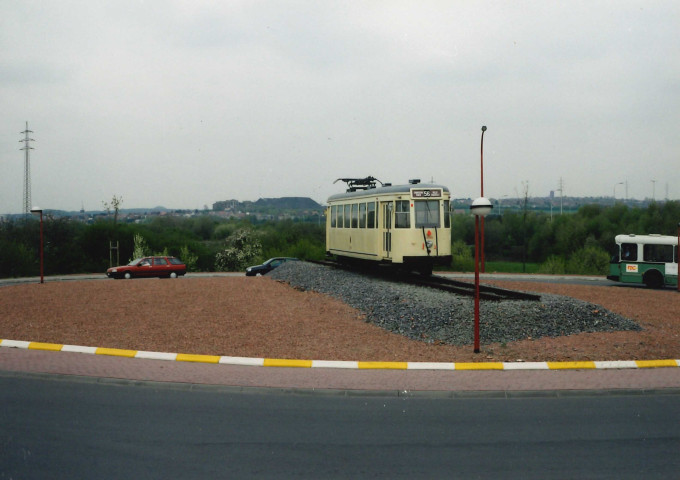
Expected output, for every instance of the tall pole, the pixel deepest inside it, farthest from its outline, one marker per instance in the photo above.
(476, 332)
(479, 208)
(482, 195)
(38, 211)
(615, 185)
(27, 170)
(42, 251)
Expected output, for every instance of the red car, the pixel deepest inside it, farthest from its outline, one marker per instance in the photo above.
(167, 267)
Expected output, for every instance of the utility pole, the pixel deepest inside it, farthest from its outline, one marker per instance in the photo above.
(27, 170)
(561, 190)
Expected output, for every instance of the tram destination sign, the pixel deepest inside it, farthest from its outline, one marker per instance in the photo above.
(426, 192)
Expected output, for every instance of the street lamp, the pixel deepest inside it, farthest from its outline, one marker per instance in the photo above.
(481, 154)
(616, 185)
(481, 207)
(38, 211)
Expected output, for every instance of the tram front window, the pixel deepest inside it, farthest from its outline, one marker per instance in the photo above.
(427, 214)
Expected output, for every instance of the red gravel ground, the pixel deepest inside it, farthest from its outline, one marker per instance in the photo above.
(260, 317)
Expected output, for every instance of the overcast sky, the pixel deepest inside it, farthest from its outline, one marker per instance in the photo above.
(185, 103)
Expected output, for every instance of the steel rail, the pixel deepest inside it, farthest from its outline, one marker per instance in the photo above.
(486, 292)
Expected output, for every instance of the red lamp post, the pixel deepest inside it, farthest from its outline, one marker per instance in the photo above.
(38, 211)
(481, 154)
(479, 208)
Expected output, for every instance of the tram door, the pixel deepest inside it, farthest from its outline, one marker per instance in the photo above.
(386, 209)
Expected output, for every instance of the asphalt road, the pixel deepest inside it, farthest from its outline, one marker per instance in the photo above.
(64, 428)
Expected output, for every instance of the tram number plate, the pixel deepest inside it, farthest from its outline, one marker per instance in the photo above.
(426, 193)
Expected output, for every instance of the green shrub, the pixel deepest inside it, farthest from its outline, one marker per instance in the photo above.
(462, 258)
(554, 265)
(590, 260)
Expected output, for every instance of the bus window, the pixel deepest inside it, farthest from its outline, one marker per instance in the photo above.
(370, 216)
(658, 253)
(629, 252)
(402, 214)
(427, 213)
(362, 215)
(347, 216)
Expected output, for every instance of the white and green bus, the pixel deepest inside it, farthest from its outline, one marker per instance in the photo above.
(648, 259)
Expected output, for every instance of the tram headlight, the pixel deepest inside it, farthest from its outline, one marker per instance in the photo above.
(429, 243)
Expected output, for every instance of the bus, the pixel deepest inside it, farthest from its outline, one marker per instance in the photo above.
(645, 259)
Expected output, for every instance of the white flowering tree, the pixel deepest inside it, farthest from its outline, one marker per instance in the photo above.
(141, 249)
(243, 247)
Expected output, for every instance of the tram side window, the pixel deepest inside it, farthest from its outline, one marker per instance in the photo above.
(334, 216)
(355, 215)
(362, 215)
(402, 214)
(339, 222)
(447, 214)
(370, 215)
(629, 252)
(427, 213)
(658, 253)
(347, 215)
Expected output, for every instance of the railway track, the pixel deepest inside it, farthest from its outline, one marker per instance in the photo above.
(486, 292)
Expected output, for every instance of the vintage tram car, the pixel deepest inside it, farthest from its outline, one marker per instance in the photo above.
(404, 225)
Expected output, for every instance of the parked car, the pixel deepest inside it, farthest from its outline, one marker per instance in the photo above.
(268, 266)
(156, 266)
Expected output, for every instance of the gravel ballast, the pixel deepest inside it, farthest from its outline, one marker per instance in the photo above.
(433, 316)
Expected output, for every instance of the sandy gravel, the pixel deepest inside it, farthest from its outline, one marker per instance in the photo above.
(260, 317)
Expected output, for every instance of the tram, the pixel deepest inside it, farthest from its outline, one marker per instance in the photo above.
(406, 225)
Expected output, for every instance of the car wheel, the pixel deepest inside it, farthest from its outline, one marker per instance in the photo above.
(127, 275)
(173, 275)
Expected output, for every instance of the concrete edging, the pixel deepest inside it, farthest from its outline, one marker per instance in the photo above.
(356, 365)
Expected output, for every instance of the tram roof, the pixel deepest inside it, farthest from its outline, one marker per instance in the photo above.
(388, 190)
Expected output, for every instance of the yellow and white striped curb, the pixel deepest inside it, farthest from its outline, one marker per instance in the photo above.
(280, 362)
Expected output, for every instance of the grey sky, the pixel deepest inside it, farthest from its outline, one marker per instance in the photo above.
(182, 104)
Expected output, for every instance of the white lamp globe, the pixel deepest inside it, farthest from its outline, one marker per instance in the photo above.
(481, 207)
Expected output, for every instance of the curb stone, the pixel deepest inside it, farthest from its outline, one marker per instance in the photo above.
(360, 365)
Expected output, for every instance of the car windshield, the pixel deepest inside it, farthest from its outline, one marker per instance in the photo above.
(135, 262)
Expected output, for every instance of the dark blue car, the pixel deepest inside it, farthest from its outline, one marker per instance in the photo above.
(268, 266)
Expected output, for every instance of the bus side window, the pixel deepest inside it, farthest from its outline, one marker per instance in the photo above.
(629, 252)
(658, 253)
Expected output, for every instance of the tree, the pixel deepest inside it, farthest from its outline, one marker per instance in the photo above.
(140, 249)
(243, 247)
(115, 205)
